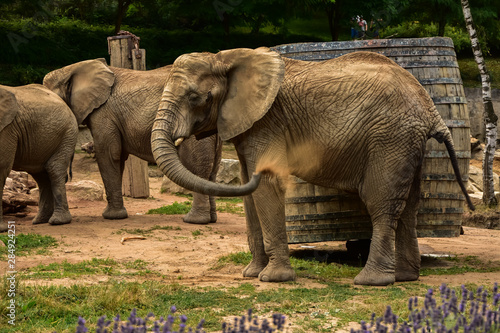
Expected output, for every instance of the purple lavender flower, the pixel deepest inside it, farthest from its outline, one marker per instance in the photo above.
(81, 326)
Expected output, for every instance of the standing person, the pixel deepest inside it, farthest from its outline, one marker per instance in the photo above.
(354, 30)
(363, 25)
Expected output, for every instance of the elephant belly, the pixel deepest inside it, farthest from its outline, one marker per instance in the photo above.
(338, 170)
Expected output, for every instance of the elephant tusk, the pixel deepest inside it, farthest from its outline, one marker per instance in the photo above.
(178, 141)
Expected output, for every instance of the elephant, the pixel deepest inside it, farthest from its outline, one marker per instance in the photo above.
(358, 123)
(119, 105)
(38, 133)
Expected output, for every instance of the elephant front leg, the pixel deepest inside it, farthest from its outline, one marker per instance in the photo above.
(200, 212)
(45, 200)
(270, 205)
(255, 240)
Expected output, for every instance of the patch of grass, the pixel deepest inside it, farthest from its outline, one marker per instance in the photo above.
(173, 209)
(91, 267)
(28, 243)
(197, 233)
(230, 205)
(182, 195)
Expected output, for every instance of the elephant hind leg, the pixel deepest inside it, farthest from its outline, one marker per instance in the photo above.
(385, 208)
(407, 251)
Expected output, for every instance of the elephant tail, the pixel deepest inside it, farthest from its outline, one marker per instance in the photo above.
(443, 135)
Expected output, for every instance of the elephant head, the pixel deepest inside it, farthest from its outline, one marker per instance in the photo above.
(84, 86)
(8, 108)
(225, 92)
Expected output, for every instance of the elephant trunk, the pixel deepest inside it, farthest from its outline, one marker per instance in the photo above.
(167, 158)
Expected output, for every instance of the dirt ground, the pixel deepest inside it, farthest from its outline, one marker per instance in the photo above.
(187, 253)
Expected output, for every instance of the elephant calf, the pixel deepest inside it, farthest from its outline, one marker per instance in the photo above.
(119, 106)
(38, 133)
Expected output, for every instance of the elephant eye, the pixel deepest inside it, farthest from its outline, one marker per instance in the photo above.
(209, 97)
(194, 99)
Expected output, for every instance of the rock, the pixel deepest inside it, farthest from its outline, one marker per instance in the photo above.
(88, 147)
(229, 172)
(168, 186)
(155, 172)
(472, 188)
(475, 144)
(18, 192)
(86, 190)
(476, 178)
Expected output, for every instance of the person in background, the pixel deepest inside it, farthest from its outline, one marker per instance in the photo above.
(354, 30)
(363, 25)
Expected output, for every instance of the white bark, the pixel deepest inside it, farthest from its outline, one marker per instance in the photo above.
(489, 114)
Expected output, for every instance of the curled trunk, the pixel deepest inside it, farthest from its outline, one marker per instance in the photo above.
(167, 158)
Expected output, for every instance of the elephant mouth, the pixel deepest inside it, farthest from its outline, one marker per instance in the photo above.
(205, 134)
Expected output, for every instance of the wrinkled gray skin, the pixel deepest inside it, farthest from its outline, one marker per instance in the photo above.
(119, 106)
(359, 123)
(38, 135)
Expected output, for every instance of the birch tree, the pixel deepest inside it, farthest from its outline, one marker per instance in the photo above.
(490, 117)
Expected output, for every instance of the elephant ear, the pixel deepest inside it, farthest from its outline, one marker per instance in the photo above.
(84, 86)
(254, 78)
(8, 108)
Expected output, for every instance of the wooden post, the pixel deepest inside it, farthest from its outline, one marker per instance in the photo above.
(125, 53)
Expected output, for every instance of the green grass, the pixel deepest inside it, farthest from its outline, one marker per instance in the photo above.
(330, 305)
(173, 209)
(88, 268)
(29, 244)
(230, 205)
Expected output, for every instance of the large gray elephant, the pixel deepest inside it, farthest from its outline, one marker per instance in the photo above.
(119, 106)
(38, 134)
(358, 123)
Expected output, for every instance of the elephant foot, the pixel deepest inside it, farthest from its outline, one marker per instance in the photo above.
(254, 268)
(60, 218)
(371, 277)
(198, 217)
(114, 213)
(41, 218)
(277, 273)
(407, 273)
(407, 276)
(213, 217)
(3, 227)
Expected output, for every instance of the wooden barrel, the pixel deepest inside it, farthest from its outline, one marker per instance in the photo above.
(321, 214)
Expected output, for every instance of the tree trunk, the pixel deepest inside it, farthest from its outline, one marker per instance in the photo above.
(490, 117)
(330, 10)
(120, 13)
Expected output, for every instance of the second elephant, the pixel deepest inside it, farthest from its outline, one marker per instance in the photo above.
(119, 106)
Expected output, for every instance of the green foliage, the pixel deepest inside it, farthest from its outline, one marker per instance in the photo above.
(173, 209)
(27, 243)
(471, 77)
